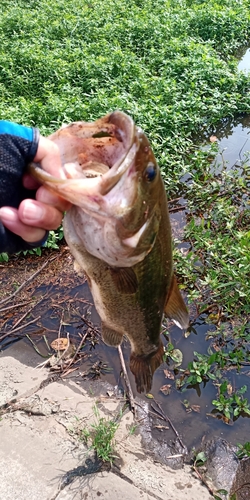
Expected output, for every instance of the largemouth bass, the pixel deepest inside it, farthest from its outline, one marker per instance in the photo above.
(118, 230)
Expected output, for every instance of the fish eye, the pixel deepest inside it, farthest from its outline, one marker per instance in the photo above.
(150, 172)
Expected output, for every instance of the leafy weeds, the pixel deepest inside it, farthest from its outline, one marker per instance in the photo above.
(218, 260)
(231, 404)
(243, 450)
(101, 434)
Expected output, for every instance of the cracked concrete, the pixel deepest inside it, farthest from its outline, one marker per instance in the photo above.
(41, 453)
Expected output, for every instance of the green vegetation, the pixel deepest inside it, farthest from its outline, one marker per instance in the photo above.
(101, 435)
(243, 450)
(166, 63)
(231, 405)
(218, 231)
(171, 66)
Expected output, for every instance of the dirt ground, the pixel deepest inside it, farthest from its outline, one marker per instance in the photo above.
(42, 456)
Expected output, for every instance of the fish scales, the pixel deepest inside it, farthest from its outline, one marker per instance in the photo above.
(118, 230)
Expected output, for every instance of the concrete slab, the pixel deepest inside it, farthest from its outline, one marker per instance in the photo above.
(41, 440)
(103, 486)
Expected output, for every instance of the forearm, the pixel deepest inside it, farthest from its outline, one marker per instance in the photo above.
(18, 146)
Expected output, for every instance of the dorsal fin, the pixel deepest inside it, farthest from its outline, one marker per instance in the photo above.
(175, 307)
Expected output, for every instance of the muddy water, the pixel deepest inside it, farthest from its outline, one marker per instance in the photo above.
(63, 306)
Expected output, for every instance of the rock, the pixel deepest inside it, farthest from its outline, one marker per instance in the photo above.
(224, 471)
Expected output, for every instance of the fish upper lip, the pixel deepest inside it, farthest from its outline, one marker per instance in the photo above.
(126, 131)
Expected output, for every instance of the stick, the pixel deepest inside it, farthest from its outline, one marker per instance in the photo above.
(7, 299)
(130, 393)
(177, 209)
(19, 328)
(42, 365)
(77, 350)
(148, 411)
(24, 315)
(15, 305)
(169, 421)
(203, 480)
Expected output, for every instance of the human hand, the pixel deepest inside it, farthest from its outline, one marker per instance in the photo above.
(34, 217)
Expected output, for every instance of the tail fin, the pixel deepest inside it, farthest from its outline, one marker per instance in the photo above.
(143, 368)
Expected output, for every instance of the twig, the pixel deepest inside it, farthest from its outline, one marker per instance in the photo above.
(24, 315)
(77, 351)
(177, 209)
(34, 345)
(174, 200)
(169, 421)
(13, 306)
(90, 325)
(65, 351)
(7, 299)
(130, 393)
(148, 411)
(203, 480)
(19, 328)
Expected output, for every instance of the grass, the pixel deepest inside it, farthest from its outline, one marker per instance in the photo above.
(101, 434)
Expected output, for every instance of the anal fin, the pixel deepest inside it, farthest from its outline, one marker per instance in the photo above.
(175, 307)
(111, 337)
(143, 368)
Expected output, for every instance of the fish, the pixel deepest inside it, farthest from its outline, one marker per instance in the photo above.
(118, 230)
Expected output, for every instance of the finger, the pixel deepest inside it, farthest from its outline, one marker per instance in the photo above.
(48, 155)
(45, 196)
(35, 213)
(29, 182)
(10, 219)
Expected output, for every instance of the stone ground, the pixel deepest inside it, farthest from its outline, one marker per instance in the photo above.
(43, 458)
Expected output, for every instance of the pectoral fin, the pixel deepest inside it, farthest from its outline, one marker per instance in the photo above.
(111, 337)
(175, 307)
(124, 279)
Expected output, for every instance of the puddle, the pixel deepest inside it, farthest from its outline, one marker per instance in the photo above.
(65, 300)
(244, 64)
(234, 142)
(234, 135)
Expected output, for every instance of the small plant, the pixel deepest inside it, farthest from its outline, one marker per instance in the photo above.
(231, 405)
(101, 435)
(199, 370)
(4, 257)
(243, 450)
(200, 459)
(132, 429)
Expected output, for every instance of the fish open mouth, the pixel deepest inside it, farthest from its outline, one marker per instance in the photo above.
(94, 157)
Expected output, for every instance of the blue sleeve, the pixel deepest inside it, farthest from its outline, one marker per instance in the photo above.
(17, 130)
(18, 147)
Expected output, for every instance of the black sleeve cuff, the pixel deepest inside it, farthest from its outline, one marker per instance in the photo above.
(11, 243)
